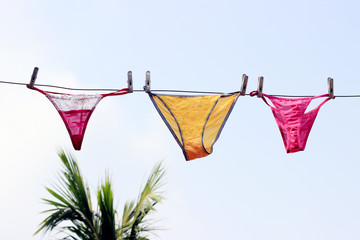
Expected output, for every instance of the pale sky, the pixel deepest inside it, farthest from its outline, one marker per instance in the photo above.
(249, 188)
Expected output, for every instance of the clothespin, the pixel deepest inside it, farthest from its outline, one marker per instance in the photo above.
(260, 86)
(33, 77)
(147, 82)
(130, 82)
(243, 84)
(331, 87)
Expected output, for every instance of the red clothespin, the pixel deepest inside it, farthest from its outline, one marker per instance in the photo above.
(147, 82)
(130, 82)
(244, 84)
(260, 86)
(331, 87)
(33, 77)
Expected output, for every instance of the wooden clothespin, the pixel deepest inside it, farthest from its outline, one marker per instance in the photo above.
(260, 86)
(130, 82)
(331, 87)
(147, 82)
(33, 77)
(243, 84)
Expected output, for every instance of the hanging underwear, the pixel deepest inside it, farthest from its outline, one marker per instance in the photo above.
(195, 121)
(75, 110)
(294, 124)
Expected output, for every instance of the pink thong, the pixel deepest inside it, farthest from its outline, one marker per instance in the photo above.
(75, 110)
(294, 123)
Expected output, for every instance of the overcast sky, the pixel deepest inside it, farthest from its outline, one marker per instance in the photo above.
(249, 188)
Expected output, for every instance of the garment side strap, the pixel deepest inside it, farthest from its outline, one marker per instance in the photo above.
(118, 92)
(45, 92)
(35, 88)
(254, 93)
(319, 96)
(323, 102)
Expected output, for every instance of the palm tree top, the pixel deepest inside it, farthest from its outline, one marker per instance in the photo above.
(72, 208)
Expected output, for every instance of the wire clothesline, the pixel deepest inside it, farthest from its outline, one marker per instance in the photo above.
(162, 90)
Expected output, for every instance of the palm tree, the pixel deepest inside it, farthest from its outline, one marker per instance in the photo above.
(71, 210)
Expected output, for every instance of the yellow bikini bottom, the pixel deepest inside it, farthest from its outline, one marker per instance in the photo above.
(195, 121)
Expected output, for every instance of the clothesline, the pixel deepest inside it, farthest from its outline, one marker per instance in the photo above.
(164, 90)
(194, 121)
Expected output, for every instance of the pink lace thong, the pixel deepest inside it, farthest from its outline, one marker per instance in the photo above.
(75, 110)
(294, 123)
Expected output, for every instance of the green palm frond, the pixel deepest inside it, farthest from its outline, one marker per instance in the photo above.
(107, 212)
(72, 200)
(77, 191)
(128, 214)
(150, 195)
(148, 198)
(71, 211)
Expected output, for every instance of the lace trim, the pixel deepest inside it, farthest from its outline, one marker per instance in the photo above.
(67, 102)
